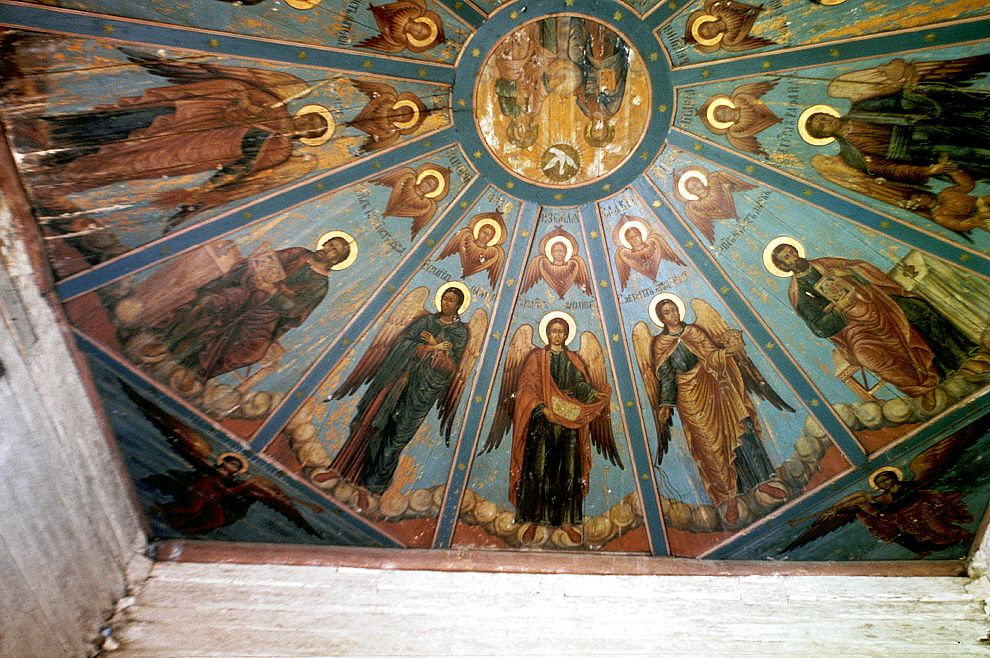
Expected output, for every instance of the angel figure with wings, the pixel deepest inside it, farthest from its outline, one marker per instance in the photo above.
(415, 193)
(558, 265)
(702, 372)
(388, 114)
(708, 197)
(417, 361)
(741, 116)
(724, 25)
(909, 513)
(405, 25)
(639, 249)
(557, 403)
(230, 121)
(219, 490)
(479, 246)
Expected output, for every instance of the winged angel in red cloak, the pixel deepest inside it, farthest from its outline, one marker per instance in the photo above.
(639, 249)
(417, 361)
(708, 197)
(479, 246)
(725, 25)
(701, 370)
(558, 265)
(741, 116)
(227, 120)
(405, 25)
(558, 404)
(218, 491)
(905, 512)
(415, 193)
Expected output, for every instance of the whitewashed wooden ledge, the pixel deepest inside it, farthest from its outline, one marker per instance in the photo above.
(224, 609)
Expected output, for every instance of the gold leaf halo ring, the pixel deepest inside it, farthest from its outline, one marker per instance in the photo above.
(453, 284)
(351, 242)
(327, 116)
(685, 177)
(637, 223)
(655, 302)
(553, 315)
(802, 124)
(768, 254)
(488, 221)
(561, 239)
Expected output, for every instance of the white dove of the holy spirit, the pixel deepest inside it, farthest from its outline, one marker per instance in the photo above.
(560, 160)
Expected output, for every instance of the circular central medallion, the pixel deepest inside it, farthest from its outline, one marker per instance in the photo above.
(562, 101)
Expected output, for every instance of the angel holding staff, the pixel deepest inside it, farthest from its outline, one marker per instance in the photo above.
(557, 403)
(702, 372)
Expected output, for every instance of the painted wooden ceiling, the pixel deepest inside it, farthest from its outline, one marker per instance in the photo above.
(703, 279)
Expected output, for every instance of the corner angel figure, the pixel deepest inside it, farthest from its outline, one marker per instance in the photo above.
(741, 116)
(388, 114)
(905, 512)
(219, 490)
(415, 193)
(231, 122)
(558, 404)
(702, 372)
(639, 249)
(558, 265)
(479, 246)
(405, 25)
(417, 361)
(708, 197)
(724, 25)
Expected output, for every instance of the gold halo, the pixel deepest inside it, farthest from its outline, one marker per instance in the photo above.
(434, 31)
(453, 284)
(831, 3)
(678, 302)
(351, 242)
(240, 459)
(302, 4)
(331, 124)
(488, 221)
(768, 253)
(710, 41)
(441, 183)
(691, 173)
(405, 102)
(554, 240)
(884, 469)
(725, 101)
(571, 326)
(638, 223)
(802, 124)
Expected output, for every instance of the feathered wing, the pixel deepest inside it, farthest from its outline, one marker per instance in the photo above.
(744, 142)
(495, 267)
(643, 348)
(593, 356)
(454, 245)
(892, 77)
(621, 266)
(840, 514)
(581, 276)
(190, 444)
(754, 90)
(709, 319)
(931, 463)
(410, 309)
(519, 348)
(277, 83)
(739, 19)
(451, 398)
(532, 274)
(265, 491)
